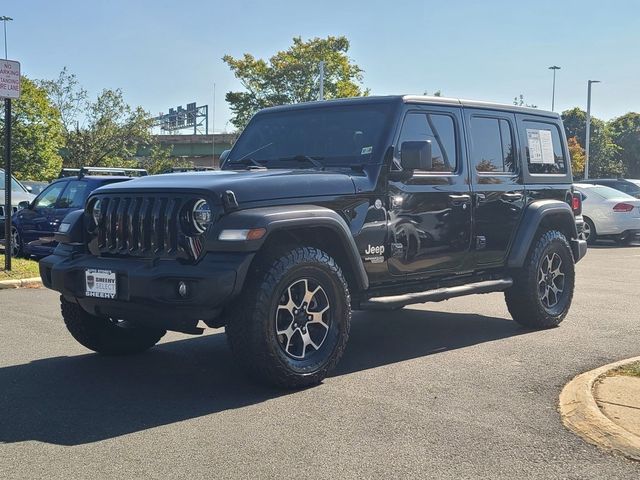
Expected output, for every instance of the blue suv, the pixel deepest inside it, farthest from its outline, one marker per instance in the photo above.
(35, 224)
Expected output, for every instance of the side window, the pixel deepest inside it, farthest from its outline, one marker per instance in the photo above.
(492, 145)
(74, 195)
(543, 148)
(48, 197)
(439, 129)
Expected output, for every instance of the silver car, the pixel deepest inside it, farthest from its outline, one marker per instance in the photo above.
(19, 195)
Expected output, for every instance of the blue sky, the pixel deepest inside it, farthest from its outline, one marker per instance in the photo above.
(167, 53)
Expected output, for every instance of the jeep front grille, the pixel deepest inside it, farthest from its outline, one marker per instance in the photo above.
(143, 226)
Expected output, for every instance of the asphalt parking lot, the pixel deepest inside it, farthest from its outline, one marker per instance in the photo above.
(448, 390)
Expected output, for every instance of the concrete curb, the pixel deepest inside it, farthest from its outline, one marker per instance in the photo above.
(581, 414)
(25, 282)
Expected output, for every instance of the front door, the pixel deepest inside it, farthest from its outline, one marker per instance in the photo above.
(37, 220)
(430, 211)
(497, 183)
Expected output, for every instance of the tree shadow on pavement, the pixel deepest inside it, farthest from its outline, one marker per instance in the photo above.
(88, 398)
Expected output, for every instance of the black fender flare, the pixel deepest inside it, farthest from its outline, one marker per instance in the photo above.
(283, 217)
(534, 215)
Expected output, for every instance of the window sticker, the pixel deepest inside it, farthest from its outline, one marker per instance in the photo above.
(547, 147)
(535, 146)
(366, 150)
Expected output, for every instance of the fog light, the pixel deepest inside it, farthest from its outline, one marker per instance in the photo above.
(182, 289)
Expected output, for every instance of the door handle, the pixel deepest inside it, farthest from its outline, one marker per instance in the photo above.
(512, 197)
(457, 200)
(480, 198)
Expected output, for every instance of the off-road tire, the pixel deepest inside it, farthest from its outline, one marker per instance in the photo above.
(104, 336)
(524, 298)
(252, 319)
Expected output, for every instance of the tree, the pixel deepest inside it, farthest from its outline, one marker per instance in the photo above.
(36, 134)
(625, 132)
(437, 93)
(112, 133)
(604, 154)
(159, 160)
(577, 157)
(67, 96)
(291, 76)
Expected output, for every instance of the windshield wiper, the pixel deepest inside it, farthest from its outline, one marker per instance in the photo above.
(248, 162)
(305, 158)
(248, 155)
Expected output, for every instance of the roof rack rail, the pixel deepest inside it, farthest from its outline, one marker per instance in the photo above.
(81, 172)
(187, 169)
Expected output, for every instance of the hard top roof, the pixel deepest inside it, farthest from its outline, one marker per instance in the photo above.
(418, 99)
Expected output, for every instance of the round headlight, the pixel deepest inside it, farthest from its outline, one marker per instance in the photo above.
(201, 215)
(95, 211)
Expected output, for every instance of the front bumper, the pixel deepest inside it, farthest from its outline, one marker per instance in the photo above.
(147, 290)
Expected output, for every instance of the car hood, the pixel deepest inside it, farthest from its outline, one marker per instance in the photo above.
(248, 186)
(16, 197)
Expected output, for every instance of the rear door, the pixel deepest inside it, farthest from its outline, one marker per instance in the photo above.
(430, 211)
(498, 187)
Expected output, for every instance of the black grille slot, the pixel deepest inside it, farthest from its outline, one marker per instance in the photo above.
(146, 226)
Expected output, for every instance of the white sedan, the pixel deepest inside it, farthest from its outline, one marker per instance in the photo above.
(609, 213)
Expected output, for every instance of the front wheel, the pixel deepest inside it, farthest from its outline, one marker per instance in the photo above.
(290, 326)
(17, 247)
(105, 335)
(588, 233)
(543, 288)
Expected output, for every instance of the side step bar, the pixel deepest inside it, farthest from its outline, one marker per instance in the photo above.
(438, 295)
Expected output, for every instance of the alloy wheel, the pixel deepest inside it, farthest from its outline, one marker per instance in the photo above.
(15, 242)
(302, 318)
(550, 280)
(586, 232)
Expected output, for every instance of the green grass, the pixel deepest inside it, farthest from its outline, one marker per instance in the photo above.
(20, 268)
(633, 369)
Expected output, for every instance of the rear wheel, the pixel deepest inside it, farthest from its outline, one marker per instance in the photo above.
(105, 335)
(543, 288)
(588, 232)
(290, 326)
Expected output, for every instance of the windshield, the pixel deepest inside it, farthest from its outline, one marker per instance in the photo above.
(330, 136)
(15, 186)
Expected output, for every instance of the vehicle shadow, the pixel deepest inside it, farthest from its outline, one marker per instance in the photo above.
(88, 398)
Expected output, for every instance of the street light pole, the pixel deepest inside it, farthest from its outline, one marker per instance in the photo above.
(321, 81)
(553, 92)
(5, 19)
(588, 130)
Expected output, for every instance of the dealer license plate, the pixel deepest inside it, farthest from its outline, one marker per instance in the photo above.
(100, 283)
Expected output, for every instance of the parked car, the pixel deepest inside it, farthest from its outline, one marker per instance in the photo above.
(608, 213)
(625, 185)
(366, 203)
(34, 225)
(35, 187)
(19, 195)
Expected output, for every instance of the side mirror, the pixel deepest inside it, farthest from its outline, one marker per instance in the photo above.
(23, 204)
(223, 157)
(416, 155)
(29, 188)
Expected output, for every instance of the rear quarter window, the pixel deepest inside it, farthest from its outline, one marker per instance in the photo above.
(544, 148)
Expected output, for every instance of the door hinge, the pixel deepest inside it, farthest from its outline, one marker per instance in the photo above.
(481, 242)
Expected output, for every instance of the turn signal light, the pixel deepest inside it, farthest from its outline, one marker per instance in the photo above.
(623, 207)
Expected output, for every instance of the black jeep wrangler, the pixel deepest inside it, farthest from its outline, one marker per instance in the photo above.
(321, 208)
